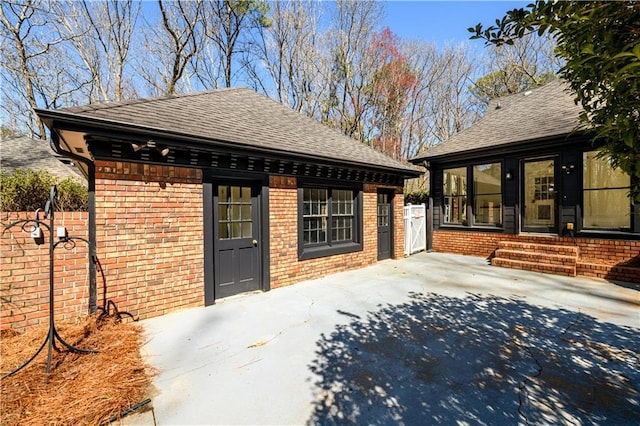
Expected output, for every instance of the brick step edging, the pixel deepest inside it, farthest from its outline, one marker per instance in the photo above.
(537, 257)
(535, 266)
(539, 248)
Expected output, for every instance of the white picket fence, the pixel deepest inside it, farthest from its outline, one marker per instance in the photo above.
(415, 228)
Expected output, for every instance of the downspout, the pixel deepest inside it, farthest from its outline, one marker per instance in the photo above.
(91, 179)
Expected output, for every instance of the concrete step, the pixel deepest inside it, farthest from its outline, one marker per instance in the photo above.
(535, 266)
(539, 248)
(540, 257)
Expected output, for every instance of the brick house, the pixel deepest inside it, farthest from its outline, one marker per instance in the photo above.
(524, 187)
(202, 196)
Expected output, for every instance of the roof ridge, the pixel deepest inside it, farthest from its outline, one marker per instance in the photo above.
(127, 102)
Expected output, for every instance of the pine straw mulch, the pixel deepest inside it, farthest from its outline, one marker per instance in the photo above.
(82, 389)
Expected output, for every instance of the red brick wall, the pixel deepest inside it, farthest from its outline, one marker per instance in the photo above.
(286, 269)
(149, 222)
(24, 273)
(595, 251)
(149, 228)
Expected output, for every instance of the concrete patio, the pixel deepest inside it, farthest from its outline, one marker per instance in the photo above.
(433, 338)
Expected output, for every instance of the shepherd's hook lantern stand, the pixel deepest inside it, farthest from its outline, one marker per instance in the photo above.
(34, 227)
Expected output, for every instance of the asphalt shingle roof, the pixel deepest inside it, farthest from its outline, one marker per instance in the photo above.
(535, 114)
(22, 152)
(240, 116)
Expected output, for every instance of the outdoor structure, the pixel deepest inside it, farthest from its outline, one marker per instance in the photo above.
(202, 196)
(23, 152)
(525, 187)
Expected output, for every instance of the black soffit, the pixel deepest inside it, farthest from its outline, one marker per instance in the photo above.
(114, 150)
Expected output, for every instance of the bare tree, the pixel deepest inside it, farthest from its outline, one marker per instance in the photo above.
(353, 25)
(101, 34)
(228, 24)
(171, 44)
(285, 55)
(529, 62)
(31, 79)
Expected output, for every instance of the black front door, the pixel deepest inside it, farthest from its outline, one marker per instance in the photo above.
(385, 223)
(236, 250)
(540, 196)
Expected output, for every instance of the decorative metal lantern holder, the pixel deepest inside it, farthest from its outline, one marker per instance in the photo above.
(34, 228)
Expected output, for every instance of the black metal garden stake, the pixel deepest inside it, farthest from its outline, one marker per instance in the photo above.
(33, 226)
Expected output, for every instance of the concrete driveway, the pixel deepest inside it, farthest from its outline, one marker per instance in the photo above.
(430, 339)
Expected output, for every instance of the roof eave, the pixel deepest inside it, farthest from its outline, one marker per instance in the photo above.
(507, 148)
(53, 119)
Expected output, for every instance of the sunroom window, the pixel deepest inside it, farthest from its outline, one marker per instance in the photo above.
(606, 202)
(455, 195)
(487, 194)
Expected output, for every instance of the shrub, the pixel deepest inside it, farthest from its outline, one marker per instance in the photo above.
(417, 197)
(28, 190)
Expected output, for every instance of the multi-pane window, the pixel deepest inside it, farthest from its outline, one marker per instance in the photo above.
(487, 194)
(543, 188)
(606, 203)
(384, 209)
(341, 215)
(234, 212)
(455, 195)
(315, 215)
(327, 208)
(330, 221)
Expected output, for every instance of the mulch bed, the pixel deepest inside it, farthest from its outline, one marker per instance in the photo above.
(81, 389)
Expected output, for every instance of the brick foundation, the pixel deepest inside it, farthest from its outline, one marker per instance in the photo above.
(600, 258)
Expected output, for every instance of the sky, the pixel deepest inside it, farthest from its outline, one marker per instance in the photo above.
(443, 21)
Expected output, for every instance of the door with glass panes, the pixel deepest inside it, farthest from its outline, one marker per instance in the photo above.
(236, 238)
(385, 223)
(540, 196)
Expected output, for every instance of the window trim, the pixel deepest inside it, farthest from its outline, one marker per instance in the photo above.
(581, 220)
(330, 248)
(474, 195)
(471, 198)
(464, 197)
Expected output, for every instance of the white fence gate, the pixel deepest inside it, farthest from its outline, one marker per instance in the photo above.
(415, 228)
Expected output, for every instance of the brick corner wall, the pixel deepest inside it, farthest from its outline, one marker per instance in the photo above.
(149, 222)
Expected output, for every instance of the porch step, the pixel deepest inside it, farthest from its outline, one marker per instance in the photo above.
(539, 248)
(546, 258)
(540, 257)
(569, 271)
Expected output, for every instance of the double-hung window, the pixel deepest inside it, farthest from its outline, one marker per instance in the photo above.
(606, 202)
(330, 221)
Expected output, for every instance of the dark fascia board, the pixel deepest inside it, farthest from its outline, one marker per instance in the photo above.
(510, 148)
(73, 122)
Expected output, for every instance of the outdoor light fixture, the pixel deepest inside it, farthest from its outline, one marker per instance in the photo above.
(138, 146)
(163, 150)
(508, 175)
(568, 168)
